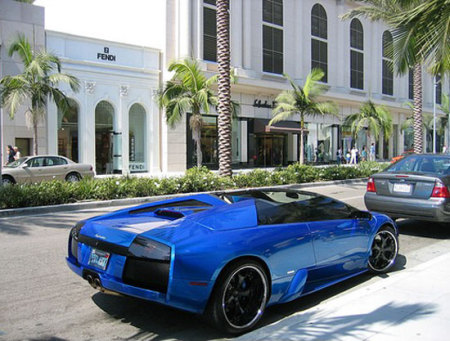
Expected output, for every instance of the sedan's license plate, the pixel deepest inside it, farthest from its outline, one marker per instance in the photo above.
(402, 188)
(99, 259)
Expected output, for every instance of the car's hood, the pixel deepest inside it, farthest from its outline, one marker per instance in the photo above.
(123, 228)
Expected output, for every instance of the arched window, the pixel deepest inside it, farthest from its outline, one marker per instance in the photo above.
(356, 55)
(319, 43)
(104, 118)
(209, 30)
(273, 36)
(68, 131)
(387, 66)
(137, 138)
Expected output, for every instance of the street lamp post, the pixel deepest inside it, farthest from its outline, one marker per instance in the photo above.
(434, 116)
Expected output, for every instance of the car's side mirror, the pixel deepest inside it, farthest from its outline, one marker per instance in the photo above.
(364, 215)
(24, 165)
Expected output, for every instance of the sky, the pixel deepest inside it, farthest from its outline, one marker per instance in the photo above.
(137, 22)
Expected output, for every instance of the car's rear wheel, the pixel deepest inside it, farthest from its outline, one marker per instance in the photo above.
(384, 250)
(73, 177)
(7, 180)
(240, 297)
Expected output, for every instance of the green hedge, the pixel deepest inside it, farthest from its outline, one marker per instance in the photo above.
(195, 180)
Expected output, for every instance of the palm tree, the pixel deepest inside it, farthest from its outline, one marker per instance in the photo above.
(302, 101)
(377, 120)
(224, 89)
(37, 84)
(406, 51)
(189, 91)
(428, 23)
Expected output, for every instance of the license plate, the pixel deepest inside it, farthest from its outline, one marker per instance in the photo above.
(99, 259)
(402, 188)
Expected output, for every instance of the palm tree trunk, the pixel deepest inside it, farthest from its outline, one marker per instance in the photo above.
(196, 136)
(223, 58)
(302, 131)
(35, 136)
(418, 132)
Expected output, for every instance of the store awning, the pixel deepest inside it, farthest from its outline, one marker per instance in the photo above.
(273, 129)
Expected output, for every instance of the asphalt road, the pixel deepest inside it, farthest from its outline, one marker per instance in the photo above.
(41, 299)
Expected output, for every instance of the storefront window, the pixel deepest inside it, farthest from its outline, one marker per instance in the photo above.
(408, 140)
(324, 142)
(137, 138)
(68, 132)
(104, 114)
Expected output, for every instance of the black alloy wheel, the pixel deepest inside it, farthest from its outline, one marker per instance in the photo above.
(239, 301)
(384, 250)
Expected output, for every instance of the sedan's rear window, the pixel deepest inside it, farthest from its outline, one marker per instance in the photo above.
(433, 164)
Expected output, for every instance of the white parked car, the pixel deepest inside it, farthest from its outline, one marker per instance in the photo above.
(31, 169)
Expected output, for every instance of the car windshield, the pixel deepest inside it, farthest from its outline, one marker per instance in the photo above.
(16, 163)
(433, 164)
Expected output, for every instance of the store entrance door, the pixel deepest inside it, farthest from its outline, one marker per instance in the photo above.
(271, 150)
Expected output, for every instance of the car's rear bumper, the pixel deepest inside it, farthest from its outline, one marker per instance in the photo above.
(421, 209)
(182, 294)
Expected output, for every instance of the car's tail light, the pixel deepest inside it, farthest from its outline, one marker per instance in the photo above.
(371, 186)
(440, 191)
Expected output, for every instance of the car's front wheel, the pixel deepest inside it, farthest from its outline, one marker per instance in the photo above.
(240, 297)
(384, 250)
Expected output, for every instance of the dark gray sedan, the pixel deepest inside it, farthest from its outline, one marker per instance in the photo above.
(416, 187)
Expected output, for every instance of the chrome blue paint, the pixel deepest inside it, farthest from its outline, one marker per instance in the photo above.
(300, 257)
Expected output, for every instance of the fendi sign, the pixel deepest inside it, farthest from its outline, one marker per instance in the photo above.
(106, 56)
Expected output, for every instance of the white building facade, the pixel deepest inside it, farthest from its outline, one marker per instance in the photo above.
(272, 37)
(114, 123)
(15, 18)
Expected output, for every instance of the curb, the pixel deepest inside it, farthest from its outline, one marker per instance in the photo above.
(78, 206)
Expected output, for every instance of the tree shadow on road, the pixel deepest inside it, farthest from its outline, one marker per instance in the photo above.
(328, 325)
(161, 322)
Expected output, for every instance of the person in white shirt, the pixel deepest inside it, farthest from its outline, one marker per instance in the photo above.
(444, 149)
(353, 154)
(17, 153)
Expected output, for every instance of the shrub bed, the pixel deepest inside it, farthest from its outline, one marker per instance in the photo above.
(194, 180)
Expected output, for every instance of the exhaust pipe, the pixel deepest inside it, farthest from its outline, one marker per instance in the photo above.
(96, 284)
(90, 281)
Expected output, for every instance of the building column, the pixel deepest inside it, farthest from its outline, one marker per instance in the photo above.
(124, 127)
(244, 141)
(52, 129)
(87, 124)
(154, 152)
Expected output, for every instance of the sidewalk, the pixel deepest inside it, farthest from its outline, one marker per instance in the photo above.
(411, 304)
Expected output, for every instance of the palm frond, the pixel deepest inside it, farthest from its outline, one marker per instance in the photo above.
(23, 48)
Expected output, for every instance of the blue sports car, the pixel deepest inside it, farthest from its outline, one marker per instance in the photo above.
(230, 255)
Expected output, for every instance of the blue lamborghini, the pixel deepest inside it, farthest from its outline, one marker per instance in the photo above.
(232, 254)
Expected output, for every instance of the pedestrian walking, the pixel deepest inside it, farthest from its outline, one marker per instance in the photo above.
(353, 155)
(347, 156)
(17, 154)
(9, 154)
(339, 156)
(444, 149)
(372, 152)
(364, 154)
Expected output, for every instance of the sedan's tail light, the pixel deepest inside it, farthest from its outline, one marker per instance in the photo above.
(371, 185)
(440, 190)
